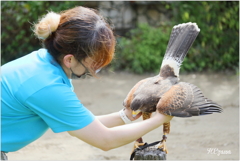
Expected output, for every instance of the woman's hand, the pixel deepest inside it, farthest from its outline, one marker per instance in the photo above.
(128, 112)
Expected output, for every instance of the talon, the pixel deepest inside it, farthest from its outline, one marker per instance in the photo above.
(165, 147)
(163, 144)
(160, 146)
(138, 142)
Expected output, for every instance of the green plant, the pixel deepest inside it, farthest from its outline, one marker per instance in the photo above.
(144, 51)
(215, 49)
(217, 45)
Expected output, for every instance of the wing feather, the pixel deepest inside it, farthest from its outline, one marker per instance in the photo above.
(186, 100)
(128, 100)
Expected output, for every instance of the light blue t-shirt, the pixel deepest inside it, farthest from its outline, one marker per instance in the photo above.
(36, 95)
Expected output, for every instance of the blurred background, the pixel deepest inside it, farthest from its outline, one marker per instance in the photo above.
(142, 29)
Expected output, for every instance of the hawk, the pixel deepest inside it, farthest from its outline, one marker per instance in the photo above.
(164, 92)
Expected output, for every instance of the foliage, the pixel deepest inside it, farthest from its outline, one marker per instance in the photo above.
(144, 51)
(17, 19)
(217, 46)
(215, 49)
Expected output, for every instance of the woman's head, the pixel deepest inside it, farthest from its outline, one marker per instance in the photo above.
(79, 31)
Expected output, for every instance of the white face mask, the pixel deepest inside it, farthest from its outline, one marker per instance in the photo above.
(98, 70)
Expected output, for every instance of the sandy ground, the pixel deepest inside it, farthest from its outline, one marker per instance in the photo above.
(196, 138)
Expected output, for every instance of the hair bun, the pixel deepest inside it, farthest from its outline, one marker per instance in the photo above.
(48, 24)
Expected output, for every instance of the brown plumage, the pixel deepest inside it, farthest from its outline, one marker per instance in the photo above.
(164, 92)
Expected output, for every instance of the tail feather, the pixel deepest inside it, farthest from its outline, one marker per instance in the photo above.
(175, 31)
(181, 39)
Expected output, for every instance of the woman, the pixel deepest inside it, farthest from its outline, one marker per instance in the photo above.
(37, 93)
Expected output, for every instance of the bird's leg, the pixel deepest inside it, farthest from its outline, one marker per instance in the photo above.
(139, 141)
(146, 115)
(163, 143)
(166, 130)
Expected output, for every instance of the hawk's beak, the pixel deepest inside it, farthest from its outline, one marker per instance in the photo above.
(134, 113)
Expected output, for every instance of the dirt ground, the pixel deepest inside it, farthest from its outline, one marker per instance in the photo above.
(196, 138)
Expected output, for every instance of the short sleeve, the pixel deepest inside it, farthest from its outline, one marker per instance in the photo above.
(59, 107)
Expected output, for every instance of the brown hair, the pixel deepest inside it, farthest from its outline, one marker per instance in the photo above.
(79, 31)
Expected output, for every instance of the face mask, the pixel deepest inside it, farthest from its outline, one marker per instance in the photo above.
(75, 76)
(84, 75)
(98, 70)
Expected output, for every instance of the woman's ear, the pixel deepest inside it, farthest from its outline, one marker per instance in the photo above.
(67, 60)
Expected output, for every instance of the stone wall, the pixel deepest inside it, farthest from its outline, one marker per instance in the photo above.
(120, 13)
(125, 15)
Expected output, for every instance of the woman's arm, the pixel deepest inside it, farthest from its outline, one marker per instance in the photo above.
(100, 136)
(114, 119)
(111, 120)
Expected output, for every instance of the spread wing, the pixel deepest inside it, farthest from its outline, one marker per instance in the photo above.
(186, 100)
